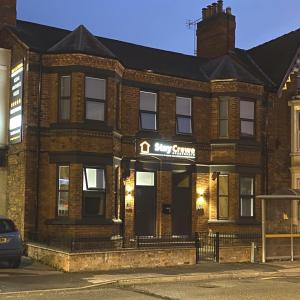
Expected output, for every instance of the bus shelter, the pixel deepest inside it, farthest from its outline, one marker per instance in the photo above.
(281, 225)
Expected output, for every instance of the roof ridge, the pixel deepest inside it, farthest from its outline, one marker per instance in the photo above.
(274, 39)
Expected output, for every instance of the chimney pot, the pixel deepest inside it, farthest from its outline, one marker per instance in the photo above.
(220, 6)
(214, 9)
(228, 11)
(204, 13)
(209, 11)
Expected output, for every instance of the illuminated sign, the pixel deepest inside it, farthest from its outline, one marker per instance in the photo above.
(15, 107)
(158, 148)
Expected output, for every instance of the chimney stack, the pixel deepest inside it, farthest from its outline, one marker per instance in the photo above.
(216, 31)
(8, 12)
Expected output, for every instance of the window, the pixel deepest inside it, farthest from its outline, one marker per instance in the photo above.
(63, 191)
(7, 226)
(183, 115)
(65, 98)
(148, 107)
(94, 187)
(223, 212)
(145, 179)
(247, 196)
(298, 84)
(223, 117)
(95, 94)
(247, 116)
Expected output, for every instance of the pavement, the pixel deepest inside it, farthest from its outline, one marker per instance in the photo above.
(33, 277)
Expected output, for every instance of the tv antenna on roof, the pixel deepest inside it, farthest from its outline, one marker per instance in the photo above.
(192, 25)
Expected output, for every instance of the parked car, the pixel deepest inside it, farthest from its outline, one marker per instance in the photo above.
(11, 246)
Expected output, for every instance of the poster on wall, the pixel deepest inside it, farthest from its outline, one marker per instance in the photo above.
(15, 105)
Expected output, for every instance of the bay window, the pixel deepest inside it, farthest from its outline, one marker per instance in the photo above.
(95, 95)
(183, 115)
(94, 191)
(247, 196)
(148, 109)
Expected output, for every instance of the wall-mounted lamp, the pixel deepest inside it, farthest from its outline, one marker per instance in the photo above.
(200, 202)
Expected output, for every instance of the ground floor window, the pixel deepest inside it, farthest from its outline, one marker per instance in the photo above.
(247, 196)
(63, 185)
(223, 211)
(94, 191)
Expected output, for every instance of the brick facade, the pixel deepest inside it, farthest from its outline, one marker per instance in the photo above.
(47, 143)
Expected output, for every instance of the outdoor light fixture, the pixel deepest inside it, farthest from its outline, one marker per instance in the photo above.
(200, 202)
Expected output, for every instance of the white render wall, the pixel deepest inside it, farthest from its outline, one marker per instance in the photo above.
(4, 95)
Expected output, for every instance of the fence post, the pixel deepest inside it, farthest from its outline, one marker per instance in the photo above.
(197, 245)
(217, 247)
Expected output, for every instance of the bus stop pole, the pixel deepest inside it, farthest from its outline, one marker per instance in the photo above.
(263, 228)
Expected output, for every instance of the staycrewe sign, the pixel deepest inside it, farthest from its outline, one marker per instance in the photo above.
(157, 148)
(15, 107)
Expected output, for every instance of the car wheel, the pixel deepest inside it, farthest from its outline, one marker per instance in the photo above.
(15, 263)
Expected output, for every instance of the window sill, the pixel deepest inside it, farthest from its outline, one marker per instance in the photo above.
(83, 221)
(246, 221)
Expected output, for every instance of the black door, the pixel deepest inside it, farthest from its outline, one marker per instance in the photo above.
(145, 197)
(181, 204)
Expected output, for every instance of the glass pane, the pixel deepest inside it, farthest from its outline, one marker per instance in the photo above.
(145, 178)
(148, 101)
(184, 182)
(223, 207)
(223, 128)
(64, 109)
(247, 128)
(148, 121)
(184, 125)
(246, 207)
(95, 179)
(223, 185)
(7, 226)
(247, 110)
(223, 108)
(65, 86)
(247, 186)
(95, 88)
(63, 182)
(183, 106)
(95, 110)
(94, 206)
(63, 204)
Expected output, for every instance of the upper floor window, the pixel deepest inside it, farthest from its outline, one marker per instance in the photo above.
(94, 188)
(247, 117)
(63, 185)
(148, 109)
(65, 98)
(223, 196)
(183, 115)
(247, 196)
(223, 117)
(95, 95)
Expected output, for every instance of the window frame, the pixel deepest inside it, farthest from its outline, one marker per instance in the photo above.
(222, 118)
(184, 116)
(94, 191)
(245, 136)
(219, 195)
(247, 196)
(141, 111)
(86, 99)
(60, 97)
(58, 189)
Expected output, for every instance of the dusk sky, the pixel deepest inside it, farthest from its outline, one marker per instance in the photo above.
(162, 23)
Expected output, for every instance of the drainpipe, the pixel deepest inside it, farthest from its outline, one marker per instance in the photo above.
(38, 148)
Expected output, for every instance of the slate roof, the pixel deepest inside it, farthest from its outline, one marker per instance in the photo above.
(265, 64)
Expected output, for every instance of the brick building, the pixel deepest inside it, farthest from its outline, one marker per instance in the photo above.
(105, 138)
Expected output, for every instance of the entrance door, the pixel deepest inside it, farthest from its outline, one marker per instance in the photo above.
(181, 204)
(145, 196)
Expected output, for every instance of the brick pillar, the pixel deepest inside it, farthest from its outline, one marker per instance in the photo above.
(8, 12)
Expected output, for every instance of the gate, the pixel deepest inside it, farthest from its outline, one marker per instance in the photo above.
(207, 246)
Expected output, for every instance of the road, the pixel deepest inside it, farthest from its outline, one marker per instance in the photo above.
(287, 287)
